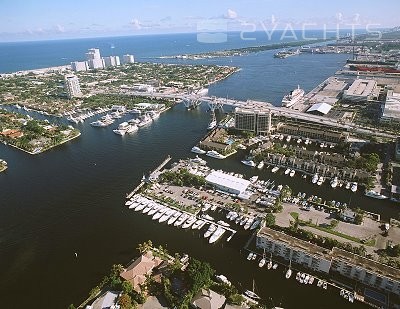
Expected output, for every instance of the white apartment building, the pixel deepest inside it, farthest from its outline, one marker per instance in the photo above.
(78, 66)
(72, 88)
(128, 59)
(300, 252)
(111, 61)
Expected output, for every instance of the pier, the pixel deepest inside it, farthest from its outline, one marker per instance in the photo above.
(154, 174)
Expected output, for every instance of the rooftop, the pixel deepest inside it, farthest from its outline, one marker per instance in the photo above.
(228, 181)
(392, 105)
(361, 87)
(322, 108)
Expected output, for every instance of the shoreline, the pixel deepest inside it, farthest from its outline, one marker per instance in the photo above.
(48, 148)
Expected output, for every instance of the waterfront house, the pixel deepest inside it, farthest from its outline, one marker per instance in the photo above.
(136, 272)
(208, 299)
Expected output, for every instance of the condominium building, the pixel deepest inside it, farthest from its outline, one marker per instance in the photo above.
(93, 53)
(78, 66)
(290, 248)
(256, 121)
(336, 261)
(72, 88)
(128, 59)
(111, 61)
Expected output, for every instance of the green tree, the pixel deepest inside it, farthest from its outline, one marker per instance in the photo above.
(127, 287)
(200, 274)
(71, 306)
(125, 301)
(270, 219)
(358, 219)
(334, 223)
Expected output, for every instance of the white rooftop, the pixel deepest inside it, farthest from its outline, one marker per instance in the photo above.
(392, 105)
(361, 87)
(323, 108)
(228, 181)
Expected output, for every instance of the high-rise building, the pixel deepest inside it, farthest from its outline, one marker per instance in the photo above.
(93, 53)
(72, 88)
(111, 61)
(96, 64)
(78, 66)
(256, 121)
(128, 59)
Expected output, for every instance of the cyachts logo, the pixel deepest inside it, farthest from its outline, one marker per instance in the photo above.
(212, 31)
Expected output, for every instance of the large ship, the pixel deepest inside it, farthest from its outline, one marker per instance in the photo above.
(293, 97)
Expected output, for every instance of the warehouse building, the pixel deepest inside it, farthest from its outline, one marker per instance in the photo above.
(227, 183)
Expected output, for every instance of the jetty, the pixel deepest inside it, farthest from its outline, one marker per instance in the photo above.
(153, 175)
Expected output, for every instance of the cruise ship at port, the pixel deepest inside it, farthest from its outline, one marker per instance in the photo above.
(293, 97)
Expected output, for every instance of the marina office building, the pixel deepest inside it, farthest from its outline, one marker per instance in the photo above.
(336, 261)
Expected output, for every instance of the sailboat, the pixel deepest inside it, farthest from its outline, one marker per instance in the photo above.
(262, 261)
(289, 271)
(251, 294)
(269, 265)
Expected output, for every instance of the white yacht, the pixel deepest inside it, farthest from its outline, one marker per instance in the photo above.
(260, 165)
(249, 163)
(160, 212)
(197, 224)
(216, 235)
(210, 231)
(144, 120)
(292, 173)
(353, 187)
(122, 128)
(198, 150)
(98, 123)
(198, 160)
(251, 294)
(174, 217)
(215, 154)
(154, 210)
(131, 128)
(189, 222)
(166, 215)
(275, 169)
(287, 171)
(315, 179)
(181, 219)
(248, 224)
(288, 273)
(288, 138)
(293, 97)
(376, 195)
(334, 182)
(223, 279)
(320, 180)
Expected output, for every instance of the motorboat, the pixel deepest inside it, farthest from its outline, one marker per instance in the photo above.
(160, 212)
(348, 184)
(214, 154)
(198, 150)
(249, 222)
(198, 160)
(353, 187)
(189, 222)
(275, 169)
(314, 180)
(288, 273)
(334, 182)
(166, 215)
(210, 231)
(174, 217)
(207, 217)
(196, 225)
(249, 163)
(320, 180)
(292, 173)
(255, 224)
(131, 128)
(223, 223)
(287, 171)
(216, 235)
(181, 219)
(376, 195)
(260, 165)
(154, 210)
(250, 256)
(223, 279)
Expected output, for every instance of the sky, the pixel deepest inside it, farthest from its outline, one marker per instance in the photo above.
(22, 20)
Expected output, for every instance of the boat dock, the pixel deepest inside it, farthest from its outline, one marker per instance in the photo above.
(154, 174)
